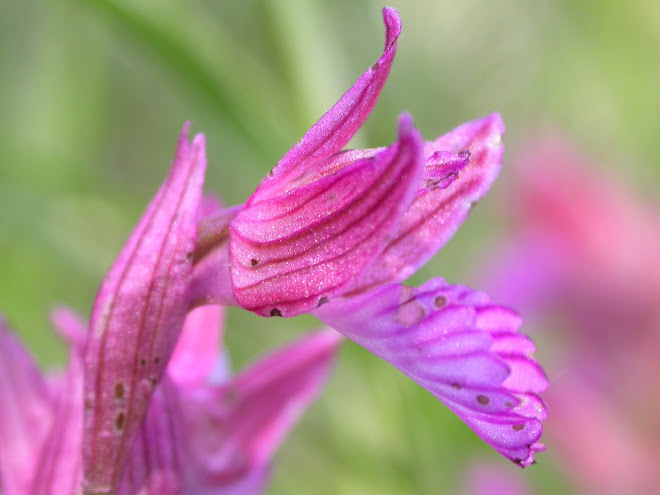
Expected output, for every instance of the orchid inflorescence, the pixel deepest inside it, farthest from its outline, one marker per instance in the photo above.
(146, 405)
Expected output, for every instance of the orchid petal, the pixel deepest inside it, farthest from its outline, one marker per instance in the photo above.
(289, 253)
(234, 429)
(444, 199)
(59, 471)
(137, 317)
(446, 338)
(26, 415)
(155, 465)
(336, 128)
(196, 352)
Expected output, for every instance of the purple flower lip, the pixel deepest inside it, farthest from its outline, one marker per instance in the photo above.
(334, 232)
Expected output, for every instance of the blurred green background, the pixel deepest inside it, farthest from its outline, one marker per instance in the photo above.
(94, 93)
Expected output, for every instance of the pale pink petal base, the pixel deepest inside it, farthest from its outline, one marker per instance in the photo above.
(197, 350)
(464, 350)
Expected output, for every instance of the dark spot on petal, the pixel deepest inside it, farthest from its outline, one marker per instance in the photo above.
(322, 301)
(189, 256)
(119, 421)
(518, 427)
(254, 262)
(508, 404)
(407, 294)
(375, 66)
(271, 173)
(153, 382)
(457, 386)
(464, 154)
(275, 312)
(518, 461)
(483, 400)
(143, 362)
(410, 313)
(119, 391)
(440, 302)
(156, 360)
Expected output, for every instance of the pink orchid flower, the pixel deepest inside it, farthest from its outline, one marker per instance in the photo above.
(587, 258)
(334, 232)
(145, 406)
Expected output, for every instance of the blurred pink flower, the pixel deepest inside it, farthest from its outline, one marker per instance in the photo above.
(485, 479)
(587, 259)
(334, 232)
(127, 419)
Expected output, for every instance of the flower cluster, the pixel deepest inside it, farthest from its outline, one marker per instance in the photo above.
(145, 407)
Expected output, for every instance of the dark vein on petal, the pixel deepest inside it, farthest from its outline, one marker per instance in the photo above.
(377, 202)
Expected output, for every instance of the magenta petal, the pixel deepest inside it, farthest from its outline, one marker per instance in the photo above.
(446, 339)
(335, 129)
(26, 415)
(442, 203)
(234, 429)
(137, 318)
(197, 350)
(156, 462)
(60, 466)
(292, 252)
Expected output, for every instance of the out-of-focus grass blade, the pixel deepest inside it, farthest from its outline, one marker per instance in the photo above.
(314, 59)
(219, 72)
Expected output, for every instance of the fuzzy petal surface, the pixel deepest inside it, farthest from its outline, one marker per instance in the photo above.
(289, 253)
(461, 348)
(460, 168)
(137, 318)
(27, 412)
(234, 429)
(335, 129)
